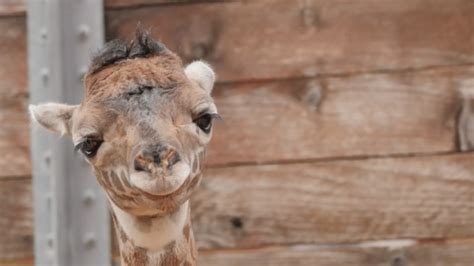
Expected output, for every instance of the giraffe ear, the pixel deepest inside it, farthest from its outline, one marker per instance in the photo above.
(54, 116)
(202, 74)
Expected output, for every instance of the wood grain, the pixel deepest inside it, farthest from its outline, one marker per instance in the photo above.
(14, 142)
(362, 115)
(16, 219)
(12, 8)
(325, 203)
(14, 137)
(334, 202)
(14, 131)
(140, 3)
(354, 116)
(271, 39)
(18, 7)
(456, 254)
(13, 76)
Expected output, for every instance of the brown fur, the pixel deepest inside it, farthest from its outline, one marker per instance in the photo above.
(143, 126)
(137, 95)
(177, 253)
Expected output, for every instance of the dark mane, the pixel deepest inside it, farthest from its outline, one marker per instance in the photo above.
(116, 50)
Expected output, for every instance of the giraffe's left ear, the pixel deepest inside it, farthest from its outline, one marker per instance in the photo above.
(201, 73)
(54, 116)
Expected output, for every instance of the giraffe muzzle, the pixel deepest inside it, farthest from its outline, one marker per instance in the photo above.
(158, 169)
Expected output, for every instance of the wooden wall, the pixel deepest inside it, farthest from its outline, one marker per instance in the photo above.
(340, 144)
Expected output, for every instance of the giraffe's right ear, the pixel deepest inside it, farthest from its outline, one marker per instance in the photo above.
(54, 116)
(201, 73)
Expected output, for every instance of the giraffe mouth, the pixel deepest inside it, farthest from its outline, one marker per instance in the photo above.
(162, 182)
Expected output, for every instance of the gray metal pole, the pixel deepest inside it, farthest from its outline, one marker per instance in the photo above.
(72, 224)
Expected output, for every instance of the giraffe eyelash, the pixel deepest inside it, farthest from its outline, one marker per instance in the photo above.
(214, 116)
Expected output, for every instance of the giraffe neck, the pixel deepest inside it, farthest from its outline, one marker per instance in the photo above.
(164, 240)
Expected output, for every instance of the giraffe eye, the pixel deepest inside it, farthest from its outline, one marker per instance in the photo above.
(89, 147)
(204, 122)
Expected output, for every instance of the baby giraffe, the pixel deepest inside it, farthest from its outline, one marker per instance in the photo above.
(143, 126)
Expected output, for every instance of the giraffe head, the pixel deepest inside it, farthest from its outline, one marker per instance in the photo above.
(143, 125)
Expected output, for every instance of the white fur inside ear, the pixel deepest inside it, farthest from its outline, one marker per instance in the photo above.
(53, 116)
(202, 74)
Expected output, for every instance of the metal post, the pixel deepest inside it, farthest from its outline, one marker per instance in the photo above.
(72, 224)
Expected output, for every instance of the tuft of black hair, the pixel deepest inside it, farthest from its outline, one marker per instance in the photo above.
(116, 50)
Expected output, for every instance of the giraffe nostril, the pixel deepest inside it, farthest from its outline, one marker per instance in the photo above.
(174, 159)
(140, 164)
(157, 158)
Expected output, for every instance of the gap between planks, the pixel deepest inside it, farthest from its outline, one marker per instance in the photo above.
(390, 244)
(20, 9)
(341, 159)
(16, 14)
(14, 178)
(342, 75)
(306, 161)
(110, 5)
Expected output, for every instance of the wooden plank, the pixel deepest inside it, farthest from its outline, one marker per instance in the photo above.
(18, 262)
(271, 39)
(13, 79)
(360, 115)
(16, 215)
(140, 3)
(16, 220)
(12, 8)
(363, 115)
(18, 7)
(456, 254)
(16, 223)
(14, 137)
(334, 202)
(14, 129)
